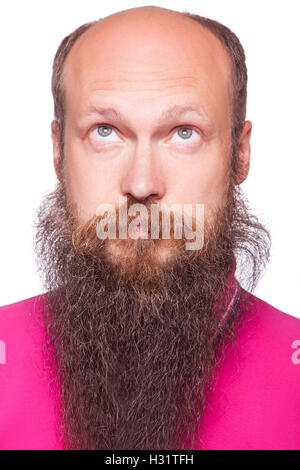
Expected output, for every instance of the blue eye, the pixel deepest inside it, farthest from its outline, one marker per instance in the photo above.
(186, 132)
(106, 132)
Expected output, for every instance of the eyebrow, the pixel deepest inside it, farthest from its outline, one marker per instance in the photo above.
(171, 113)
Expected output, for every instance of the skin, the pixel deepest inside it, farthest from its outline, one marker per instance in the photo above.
(142, 62)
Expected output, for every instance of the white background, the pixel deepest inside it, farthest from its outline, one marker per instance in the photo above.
(30, 33)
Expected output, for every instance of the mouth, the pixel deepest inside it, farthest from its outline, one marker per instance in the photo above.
(139, 232)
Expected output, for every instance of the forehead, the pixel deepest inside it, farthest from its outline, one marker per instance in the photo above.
(129, 59)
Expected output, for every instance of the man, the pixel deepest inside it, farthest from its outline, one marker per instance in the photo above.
(140, 342)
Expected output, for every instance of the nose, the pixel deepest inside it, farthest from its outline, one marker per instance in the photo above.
(143, 178)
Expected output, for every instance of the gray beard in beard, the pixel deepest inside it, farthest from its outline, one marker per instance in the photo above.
(133, 351)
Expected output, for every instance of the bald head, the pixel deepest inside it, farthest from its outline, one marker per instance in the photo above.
(149, 47)
(160, 19)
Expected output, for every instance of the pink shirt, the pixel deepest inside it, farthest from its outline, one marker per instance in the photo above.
(255, 403)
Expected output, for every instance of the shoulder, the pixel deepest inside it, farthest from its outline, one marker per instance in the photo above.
(27, 406)
(20, 306)
(21, 309)
(20, 326)
(274, 318)
(268, 372)
(256, 401)
(273, 334)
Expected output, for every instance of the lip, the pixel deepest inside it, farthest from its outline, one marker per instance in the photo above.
(139, 233)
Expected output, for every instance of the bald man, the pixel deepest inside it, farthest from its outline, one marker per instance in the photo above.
(144, 337)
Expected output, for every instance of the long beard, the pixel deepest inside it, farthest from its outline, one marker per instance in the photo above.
(134, 351)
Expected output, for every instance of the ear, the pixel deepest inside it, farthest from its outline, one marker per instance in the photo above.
(244, 153)
(57, 157)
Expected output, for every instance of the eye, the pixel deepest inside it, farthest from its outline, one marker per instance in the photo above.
(186, 134)
(104, 133)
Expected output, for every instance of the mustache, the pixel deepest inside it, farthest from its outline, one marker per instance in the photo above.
(154, 221)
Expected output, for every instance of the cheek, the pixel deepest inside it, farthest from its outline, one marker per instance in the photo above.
(207, 182)
(86, 186)
(215, 183)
